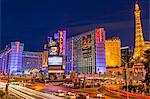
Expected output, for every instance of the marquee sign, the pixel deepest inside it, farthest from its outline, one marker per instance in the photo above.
(60, 42)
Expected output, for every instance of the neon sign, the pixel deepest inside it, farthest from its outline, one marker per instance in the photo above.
(98, 35)
(60, 42)
(17, 46)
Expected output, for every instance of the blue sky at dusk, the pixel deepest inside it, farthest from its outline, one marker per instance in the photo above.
(31, 21)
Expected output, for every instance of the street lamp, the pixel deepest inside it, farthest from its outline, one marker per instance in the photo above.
(7, 56)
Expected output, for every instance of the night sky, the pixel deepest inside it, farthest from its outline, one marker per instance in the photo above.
(31, 21)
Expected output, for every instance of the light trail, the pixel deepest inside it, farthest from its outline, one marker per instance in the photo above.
(28, 93)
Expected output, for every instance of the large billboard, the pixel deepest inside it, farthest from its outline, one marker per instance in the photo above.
(86, 46)
(55, 60)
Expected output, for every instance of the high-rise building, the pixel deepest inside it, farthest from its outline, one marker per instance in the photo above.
(11, 58)
(139, 39)
(16, 56)
(113, 52)
(86, 53)
(54, 56)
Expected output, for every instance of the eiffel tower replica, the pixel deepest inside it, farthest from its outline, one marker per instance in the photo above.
(139, 39)
(139, 49)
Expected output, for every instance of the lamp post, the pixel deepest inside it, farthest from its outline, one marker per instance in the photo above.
(8, 70)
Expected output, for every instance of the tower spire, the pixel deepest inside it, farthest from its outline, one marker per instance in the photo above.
(139, 40)
(137, 8)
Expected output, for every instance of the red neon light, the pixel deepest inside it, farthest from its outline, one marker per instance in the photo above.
(17, 46)
(98, 35)
(60, 42)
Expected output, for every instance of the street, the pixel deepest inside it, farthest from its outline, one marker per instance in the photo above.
(27, 93)
(109, 94)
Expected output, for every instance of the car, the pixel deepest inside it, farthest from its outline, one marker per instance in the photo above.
(83, 96)
(71, 95)
(100, 96)
(69, 84)
(26, 84)
(59, 93)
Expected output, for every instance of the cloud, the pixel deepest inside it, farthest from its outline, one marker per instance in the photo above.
(122, 25)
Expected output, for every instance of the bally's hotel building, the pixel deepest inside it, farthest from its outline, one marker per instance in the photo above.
(86, 52)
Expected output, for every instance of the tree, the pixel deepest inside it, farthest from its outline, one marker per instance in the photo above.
(1, 93)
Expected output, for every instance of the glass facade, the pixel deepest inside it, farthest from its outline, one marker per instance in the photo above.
(100, 51)
(85, 55)
(11, 58)
(31, 60)
(15, 61)
(69, 57)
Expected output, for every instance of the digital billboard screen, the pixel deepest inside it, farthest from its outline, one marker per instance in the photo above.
(55, 60)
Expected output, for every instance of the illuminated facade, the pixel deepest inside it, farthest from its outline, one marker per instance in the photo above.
(11, 58)
(140, 45)
(86, 53)
(31, 60)
(54, 55)
(14, 60)
(113, 52)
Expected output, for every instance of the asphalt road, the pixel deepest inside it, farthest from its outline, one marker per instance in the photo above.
(27, 93)
(109, 94)
(45, 91)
